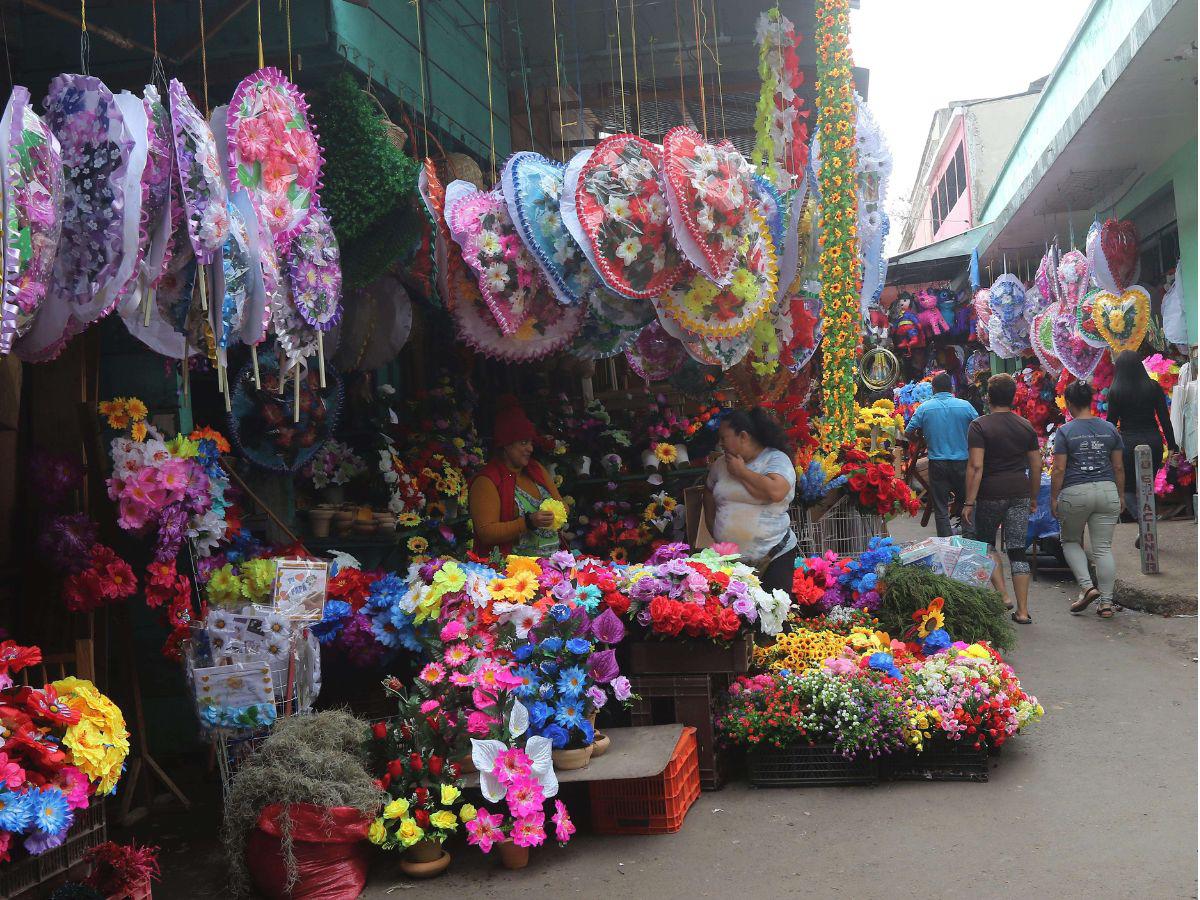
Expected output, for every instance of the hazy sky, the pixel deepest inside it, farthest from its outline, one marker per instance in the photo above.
(923, 54)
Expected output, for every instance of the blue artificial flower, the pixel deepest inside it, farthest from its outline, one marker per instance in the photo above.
(51, 812)
(884, 662)
(522, 653)
(549, 668)
(560, 612)
(539, 714)
(579, 646)
(569, 714)
(386, 592)
(546, 690)
(551, 644)
(589, 733)
(937, 641)
(558, 736)
(572, 682)
(334, 619)
(589, 597)
(16, 813)
(530, 683)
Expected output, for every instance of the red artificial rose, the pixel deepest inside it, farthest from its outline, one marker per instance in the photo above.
(435, 765)
(422, 817)
(617, 602)
(379, 729)
(395, 768)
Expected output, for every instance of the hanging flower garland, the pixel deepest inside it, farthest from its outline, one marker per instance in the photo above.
(840, 274)
(205, 195)
(781, 133)
(315, 273)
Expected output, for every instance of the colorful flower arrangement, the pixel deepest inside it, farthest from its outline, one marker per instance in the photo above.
(1164, 371)
(105, 578)
(1178, 475)
(62, 744)
(334, 464)
(1036, 398)
(877, 429)
(780, 130)
(874, 487)
(611, 530)
(911, 395)
(839, 259)
(120, 869)
(659, 512)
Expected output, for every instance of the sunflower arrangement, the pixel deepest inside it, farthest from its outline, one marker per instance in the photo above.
(840, 274)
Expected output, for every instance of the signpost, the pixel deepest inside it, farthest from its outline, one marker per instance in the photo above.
(1146, 516)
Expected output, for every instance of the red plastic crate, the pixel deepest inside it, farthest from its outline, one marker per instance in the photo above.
(654, 805)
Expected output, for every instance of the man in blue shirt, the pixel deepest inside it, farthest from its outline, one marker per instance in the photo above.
(944, 419)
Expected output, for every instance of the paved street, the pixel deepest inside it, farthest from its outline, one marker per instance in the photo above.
(1098, 800)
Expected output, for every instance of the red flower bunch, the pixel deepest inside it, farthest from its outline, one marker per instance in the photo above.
(1035, 399)
(816, 583)
(874, 486)
(794, 418)
(708, 619)
(107, 579)
(117, 869)
(351, 586)
(171, 590)
(761, 709)
(602, 577)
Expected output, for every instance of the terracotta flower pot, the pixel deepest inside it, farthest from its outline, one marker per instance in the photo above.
(566, 760)
(319, 520)
(512, 856)
(601, 745)
(424, 859)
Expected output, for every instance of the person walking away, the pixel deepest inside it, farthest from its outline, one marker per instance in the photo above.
(944, 419)
(1137, 406)
(1087, 481)
(750, 488)
(1004, 475)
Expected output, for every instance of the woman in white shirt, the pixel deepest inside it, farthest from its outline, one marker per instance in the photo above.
(750, 488)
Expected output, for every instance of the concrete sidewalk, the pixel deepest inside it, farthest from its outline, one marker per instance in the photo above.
(1171, 592)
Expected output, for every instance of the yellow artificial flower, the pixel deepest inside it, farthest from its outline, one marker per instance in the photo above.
(139, 431)
(449, 794)
(521, 588)
(377, 832)
(978, 651)
(528, 564)
(666, 453)
(409, 832)
(136, 409)
(449, 579)
(183, 448)
(224, 588)
(258, 579)
(408, 520)
(417, 544)
(99, 741)
(444, 820)
(397, 809)
(467, 812)
(556, 509)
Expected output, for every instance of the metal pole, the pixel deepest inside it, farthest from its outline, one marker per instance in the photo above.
(1147, 518)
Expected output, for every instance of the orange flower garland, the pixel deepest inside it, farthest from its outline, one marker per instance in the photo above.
(841, 276)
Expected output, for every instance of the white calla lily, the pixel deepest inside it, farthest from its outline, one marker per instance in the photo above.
(518, 719)
(540, 751)
(484, 755)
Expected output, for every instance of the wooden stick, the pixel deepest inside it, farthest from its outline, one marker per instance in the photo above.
(232, 473)
(203, 290)
(228, 392)
(186, 367)
(296, 397)
(321, 356)
(147, 301)
(254, 359)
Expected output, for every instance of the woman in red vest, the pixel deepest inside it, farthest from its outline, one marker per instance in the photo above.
(506, 494)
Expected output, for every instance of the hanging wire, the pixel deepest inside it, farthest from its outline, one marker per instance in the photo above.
(7, 57)
(157, 74)
(562, 145)
(85, 43)
(654, 85)
(637, 97)
(525, 74)
(578, 65)
(487, 45)
(679, 59)
(717, 57)
(621, 65)
(700, 68)
(422, 61)
(261, 59)
(204, 58)
(287, 5)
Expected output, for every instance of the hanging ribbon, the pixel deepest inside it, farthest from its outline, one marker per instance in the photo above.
(85, 46)
(421, 62)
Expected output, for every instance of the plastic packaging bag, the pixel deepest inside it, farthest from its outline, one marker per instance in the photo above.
(332, 853)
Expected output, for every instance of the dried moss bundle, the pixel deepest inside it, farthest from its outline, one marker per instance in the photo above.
(972, 614)
(319, 759)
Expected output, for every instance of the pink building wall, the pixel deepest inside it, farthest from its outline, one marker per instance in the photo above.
(959, 218)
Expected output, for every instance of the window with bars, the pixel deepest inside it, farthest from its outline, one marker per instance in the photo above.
(949, 188)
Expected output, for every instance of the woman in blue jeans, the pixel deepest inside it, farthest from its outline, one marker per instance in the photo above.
(1087, 482)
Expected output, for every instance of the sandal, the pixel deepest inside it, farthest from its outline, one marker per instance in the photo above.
(1028, 620)
(1105, 610)
(1085, 600)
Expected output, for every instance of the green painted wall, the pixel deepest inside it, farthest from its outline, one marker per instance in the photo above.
(1180, 172)
(382, 41)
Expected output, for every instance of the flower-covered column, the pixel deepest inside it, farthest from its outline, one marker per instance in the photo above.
(840, 273)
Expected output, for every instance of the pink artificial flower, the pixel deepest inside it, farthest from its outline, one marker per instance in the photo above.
(11, 773)
(529, 831)
(484, 830)
(433, 673)
(482, 699)
(525, 795)
(452, 631)
(480, 723)
(462, 679)
(277, 211)
(75, 787)
(174, 477)
(507, 679)
(5, 840)
(133, 516)
(429, 706)
(456, 655)
(512, 765)
(563, 826)
(724, 548)
(252, 138)
(277, 174)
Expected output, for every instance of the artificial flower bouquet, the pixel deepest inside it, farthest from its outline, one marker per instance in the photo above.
(335, 464)
(874, 487)
(1037, 398)
(64, 743)
(705, 595)
(612, 530)
(878, 428)
(664, 431)
(911, 395)
(659, 514)
(556, 680)
(1177, 476)
(118, 870)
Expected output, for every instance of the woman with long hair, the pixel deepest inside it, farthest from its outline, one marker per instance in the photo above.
(750, 488)
(1137, 406)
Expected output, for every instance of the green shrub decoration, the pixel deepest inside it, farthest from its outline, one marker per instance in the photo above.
(972, 614)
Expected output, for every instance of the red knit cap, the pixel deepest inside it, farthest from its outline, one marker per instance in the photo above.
(511, 425)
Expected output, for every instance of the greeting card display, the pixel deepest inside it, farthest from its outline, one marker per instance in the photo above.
(205, 196)
(301, 586)
(533, 187)
(624, 216)
(508, 277)
(708, 189)
(32, 213)
(273, 152)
